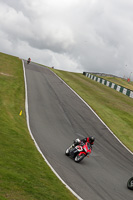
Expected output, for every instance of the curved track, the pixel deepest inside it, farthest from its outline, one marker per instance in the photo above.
(57, 116)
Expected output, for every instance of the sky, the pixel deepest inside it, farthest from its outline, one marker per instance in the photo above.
(71, 35)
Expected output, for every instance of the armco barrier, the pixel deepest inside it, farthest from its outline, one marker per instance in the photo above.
(110, 84)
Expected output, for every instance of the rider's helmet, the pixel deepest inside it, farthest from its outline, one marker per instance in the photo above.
(91, 139)
(77, 141)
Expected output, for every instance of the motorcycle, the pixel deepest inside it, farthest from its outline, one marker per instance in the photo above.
(130, 183)
(79, 152)
(28, 61)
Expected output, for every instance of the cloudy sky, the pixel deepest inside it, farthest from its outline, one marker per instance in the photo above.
(71, 35)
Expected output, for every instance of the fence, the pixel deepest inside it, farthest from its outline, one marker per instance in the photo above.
(110, 84)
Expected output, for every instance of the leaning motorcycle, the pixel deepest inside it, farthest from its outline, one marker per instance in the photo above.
(130, 183)
(79, 152)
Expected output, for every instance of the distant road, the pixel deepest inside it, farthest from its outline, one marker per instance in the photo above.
(57, 116)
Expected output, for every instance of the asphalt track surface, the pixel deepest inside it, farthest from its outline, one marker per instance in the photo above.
(57, 116)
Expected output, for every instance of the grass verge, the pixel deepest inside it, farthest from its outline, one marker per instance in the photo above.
(23, 173)
(114, 108)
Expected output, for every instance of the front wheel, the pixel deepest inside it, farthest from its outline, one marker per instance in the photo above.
(67, 152)
(79, 158)
(130, 184)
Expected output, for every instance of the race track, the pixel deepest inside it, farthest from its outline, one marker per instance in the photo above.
(57, 116)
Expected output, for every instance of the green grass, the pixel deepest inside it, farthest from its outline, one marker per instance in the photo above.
(114, 108)
(23, 173)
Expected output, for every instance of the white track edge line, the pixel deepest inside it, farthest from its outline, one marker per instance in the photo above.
(94, 113)
(27, 119)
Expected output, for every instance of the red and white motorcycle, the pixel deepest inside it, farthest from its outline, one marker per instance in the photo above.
(79, 152)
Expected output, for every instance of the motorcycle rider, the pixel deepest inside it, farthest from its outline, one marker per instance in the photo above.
(29, 60)
(89, 139)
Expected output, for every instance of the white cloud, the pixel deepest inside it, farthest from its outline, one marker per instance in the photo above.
(71, 35)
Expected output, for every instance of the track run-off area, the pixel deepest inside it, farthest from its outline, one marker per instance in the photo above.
(56, 116)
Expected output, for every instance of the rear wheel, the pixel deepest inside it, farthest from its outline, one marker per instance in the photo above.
(79, 158)
(130, 184)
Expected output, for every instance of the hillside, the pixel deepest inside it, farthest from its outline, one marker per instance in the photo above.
(24, 175)
(114, 108)
(23, 172)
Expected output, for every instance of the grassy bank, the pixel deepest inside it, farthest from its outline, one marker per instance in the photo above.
(114, 108)
(23, 173)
